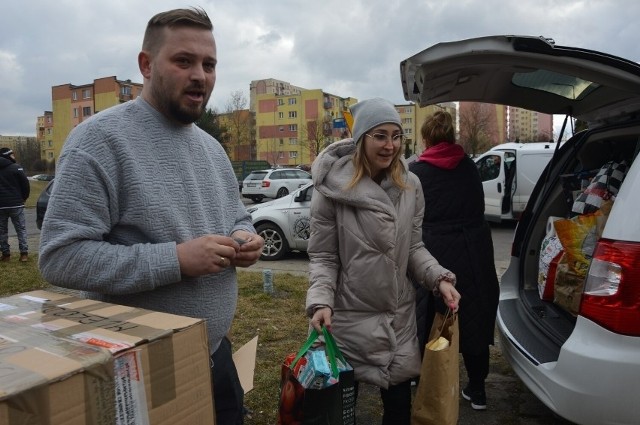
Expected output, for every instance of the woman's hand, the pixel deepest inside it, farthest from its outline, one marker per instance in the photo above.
(449, 294)
(322, 316)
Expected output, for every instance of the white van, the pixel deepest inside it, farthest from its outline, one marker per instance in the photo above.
(509, 172)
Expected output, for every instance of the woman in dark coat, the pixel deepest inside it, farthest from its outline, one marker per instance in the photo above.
(456, 233)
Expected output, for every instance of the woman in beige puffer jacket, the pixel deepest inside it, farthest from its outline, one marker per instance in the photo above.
(365, 243)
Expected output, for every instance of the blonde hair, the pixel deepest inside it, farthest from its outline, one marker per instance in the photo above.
(363, 168)
(438, 127)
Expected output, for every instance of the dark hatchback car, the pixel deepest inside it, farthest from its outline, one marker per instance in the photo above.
(41, 204)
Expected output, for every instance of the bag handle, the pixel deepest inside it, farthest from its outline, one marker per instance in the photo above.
(444, 323)
(331, 349)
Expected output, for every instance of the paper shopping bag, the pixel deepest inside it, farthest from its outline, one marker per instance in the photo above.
(437, 396)
(317, 386)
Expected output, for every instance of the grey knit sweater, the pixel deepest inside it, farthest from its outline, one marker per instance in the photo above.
(129, 186)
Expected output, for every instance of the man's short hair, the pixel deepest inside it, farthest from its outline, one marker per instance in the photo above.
(194, 17)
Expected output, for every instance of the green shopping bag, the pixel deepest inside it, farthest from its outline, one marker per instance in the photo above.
(317, 385)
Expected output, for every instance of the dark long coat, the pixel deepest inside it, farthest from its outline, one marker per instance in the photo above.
(457, 235)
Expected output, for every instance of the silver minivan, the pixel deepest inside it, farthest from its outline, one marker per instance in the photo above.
(569, 312)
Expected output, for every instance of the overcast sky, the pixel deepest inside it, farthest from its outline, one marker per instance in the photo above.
(345, 47)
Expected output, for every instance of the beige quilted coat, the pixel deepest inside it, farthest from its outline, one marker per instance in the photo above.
(364, 243)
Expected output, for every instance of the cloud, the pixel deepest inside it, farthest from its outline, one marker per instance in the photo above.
(346, 48)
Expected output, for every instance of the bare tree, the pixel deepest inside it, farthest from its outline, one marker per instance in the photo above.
(315, 135)
(239, 121)
(27, 153)
(476, 121)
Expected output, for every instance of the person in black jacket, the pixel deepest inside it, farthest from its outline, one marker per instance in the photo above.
(14, 190)
(456, 233)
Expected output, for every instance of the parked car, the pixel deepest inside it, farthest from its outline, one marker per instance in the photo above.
(573, 339)
(42, 202)
(42, 177)
(273, 183)
(283, 223)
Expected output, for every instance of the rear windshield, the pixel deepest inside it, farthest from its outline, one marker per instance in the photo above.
(257, 175)
(553, 82)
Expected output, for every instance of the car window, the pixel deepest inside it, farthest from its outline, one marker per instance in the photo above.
(277, 175)
(489, 167)
(257, 175)
(286, 174)
(302, 175)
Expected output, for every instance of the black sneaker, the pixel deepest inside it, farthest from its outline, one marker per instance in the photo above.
(478, 398)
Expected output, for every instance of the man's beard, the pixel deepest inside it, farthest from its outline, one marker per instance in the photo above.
(175, 110)
(184, 115)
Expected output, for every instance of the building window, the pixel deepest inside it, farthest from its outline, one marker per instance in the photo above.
(293, 114)
(86, 111)
(293, 154)
(281, 142)
(293, 141)
(408, 131)
(74, 95)
(86, 94)
(125, 90)
(75, 112)
(280, 155)
(292, 101)
(293, 127)
(407, 120)
(50, 143)
(281, 115)
(48, 131)
(280, 102)
(48, 119)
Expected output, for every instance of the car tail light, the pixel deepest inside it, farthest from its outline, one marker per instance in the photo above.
(611, 295)
(266, 183)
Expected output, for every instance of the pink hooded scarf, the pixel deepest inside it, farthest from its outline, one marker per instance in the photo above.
(443, 155)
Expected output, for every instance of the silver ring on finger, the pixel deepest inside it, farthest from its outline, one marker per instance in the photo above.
(224, 261)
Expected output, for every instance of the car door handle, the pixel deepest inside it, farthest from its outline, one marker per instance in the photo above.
(499, 187)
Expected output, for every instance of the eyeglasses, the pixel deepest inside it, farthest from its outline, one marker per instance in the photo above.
(382, 138)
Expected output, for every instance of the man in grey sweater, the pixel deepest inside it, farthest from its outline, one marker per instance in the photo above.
(145, 210)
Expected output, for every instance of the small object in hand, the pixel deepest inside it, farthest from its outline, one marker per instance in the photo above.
(240, 240)
(438, 344)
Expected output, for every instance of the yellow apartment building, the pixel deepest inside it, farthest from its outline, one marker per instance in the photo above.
(294, 124)
(15, 142)
(412, 117)
(529, 126)
(44, 135)
(72, 104)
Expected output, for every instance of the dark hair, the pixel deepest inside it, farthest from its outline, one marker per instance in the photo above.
(194, 17)
(437, 128)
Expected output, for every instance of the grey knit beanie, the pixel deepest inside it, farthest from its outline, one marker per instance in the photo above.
(371, 113)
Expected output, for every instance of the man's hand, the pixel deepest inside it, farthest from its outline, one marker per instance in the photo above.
(206, 254)
(250, 248)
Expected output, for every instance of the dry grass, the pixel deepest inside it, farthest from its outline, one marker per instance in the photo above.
(281, 326)
(37, 186)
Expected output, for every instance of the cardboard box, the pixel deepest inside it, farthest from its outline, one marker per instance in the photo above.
(67, 360)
